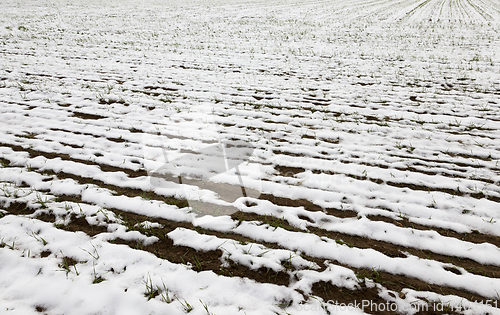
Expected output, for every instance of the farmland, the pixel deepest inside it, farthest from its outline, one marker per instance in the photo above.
(250, 157)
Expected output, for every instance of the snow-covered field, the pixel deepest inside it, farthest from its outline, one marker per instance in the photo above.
(250, 157)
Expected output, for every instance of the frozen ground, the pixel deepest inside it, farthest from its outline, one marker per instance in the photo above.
(366, 135)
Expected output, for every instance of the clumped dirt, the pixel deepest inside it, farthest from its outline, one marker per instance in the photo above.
(473, 237)
(87, 116)
(308, 205)
(18, 208)
(79, 223)
(289, 171)
(41, 309)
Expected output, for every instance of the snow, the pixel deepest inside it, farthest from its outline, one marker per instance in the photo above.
(389, 107)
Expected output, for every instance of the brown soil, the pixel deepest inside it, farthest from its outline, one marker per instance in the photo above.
(87, 116)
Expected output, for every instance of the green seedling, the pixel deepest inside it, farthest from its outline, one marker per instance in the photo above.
(97, 279)
(38, 237)
(187, 307)
(205, 306)
(95, 253)
(42, 201)
(3, 244)
(164, 294)
(151, 291)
